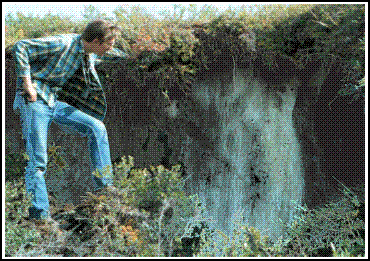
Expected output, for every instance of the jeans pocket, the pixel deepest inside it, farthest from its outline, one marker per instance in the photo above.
(18, 101)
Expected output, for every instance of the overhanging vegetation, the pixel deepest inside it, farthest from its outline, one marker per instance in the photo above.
(280, 39)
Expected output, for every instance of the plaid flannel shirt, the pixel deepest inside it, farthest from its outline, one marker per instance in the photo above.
(51, 61)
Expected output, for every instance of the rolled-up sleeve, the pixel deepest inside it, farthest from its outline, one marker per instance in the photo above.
(112, 56)
(21, 59)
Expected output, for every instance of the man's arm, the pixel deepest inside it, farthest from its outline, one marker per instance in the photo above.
(113, 56)
(30, 50)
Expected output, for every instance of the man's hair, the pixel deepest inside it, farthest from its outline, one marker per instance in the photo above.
(100, 29)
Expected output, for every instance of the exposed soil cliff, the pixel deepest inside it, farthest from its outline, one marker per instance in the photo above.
(253, 140)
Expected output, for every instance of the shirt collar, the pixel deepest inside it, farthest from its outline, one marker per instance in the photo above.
(82, 50)
(81, 46)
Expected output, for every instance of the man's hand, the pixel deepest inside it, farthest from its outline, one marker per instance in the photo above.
(29, 90)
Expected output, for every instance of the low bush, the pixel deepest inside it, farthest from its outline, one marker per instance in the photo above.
(152, 216)
(334, 230)
(19, 235)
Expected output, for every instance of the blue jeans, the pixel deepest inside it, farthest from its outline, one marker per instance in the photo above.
(36, 118)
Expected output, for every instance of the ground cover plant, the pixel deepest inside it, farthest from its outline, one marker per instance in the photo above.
(153, 217)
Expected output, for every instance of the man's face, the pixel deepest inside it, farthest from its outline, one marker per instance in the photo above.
(102, 48)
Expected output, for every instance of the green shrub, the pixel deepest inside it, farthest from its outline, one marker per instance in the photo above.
(158, 192)
(335, 229)
(154, 217)
(17, 237)
(21, 26)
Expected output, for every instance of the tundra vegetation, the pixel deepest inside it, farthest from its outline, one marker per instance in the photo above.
(154, 216)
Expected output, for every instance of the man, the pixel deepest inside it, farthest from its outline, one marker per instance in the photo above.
(57, 81)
